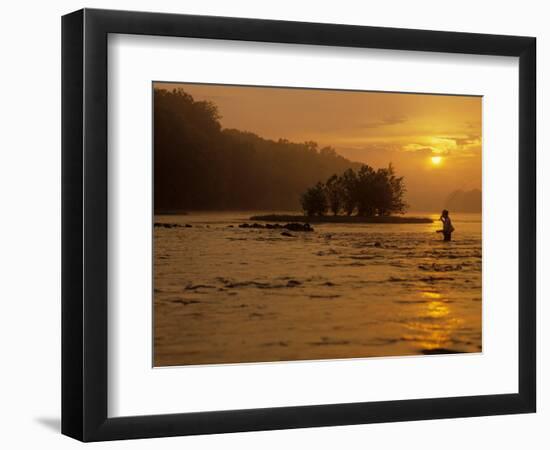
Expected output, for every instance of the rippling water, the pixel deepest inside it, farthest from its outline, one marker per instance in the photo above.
(225, 294)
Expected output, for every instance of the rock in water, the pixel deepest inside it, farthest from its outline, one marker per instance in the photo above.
(294, 226)
(287, 234)
(171, 225)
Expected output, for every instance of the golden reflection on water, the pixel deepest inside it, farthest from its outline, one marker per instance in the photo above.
(436, 326)
(436, 224)
(430, 294)
(437, 309)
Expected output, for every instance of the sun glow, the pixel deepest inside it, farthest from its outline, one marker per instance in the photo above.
(436, 160)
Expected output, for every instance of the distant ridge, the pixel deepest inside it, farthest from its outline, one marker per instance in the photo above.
(198, 165)
(464, 201)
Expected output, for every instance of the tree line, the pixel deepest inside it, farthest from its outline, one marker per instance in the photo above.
(198, 165)
(367, 193)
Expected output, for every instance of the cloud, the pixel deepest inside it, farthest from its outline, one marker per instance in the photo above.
(423, 149)
(389, 120)
(465, 145)
(464, 140)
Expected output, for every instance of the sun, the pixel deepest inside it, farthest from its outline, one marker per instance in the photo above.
(436, 160)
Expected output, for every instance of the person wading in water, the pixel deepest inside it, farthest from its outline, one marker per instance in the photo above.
(447, 225)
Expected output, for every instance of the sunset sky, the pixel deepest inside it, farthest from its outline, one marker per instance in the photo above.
(432, 140)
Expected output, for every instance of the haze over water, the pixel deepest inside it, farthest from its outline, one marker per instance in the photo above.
(225, 294)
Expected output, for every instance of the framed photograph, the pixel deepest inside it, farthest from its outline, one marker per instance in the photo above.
(273, 224)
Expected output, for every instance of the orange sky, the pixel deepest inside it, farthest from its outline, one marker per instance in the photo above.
(369, 127)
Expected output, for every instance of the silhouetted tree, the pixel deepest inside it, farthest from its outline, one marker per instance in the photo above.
(314, 201)
(368, 191)
(335, 193)
(349, 191)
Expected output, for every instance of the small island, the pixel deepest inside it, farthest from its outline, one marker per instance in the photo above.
(365, 196)
(340, 219)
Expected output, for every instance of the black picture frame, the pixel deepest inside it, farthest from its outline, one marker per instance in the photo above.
(84, 224)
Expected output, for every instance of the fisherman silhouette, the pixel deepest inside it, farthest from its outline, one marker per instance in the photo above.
(447, 225)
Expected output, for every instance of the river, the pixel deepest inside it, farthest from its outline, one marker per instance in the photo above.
(224, 294)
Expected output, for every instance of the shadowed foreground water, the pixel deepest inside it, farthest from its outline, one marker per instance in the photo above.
(225, 294)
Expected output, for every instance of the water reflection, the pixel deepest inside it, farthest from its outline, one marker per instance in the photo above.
(434, 324)
(430, 294)
(437, 309)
